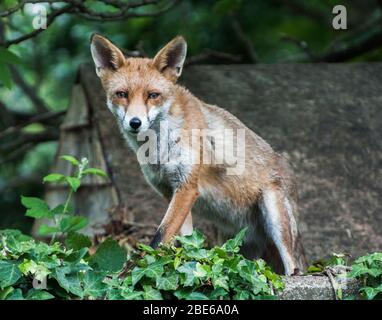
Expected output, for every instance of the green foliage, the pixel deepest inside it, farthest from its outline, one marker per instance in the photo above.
(64, 222)
(68, 271)
(369, 269)
(336, 259)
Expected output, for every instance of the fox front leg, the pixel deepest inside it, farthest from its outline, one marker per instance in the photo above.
(178, 215)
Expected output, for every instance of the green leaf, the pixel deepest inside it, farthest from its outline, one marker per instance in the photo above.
(45, 230)
(54, 177)
(195, 240)
(34, 294)
(151, 294)
(201, 270)
(154, 270)
(16, 294)
(37, 208)
(30, 267)
(71, 159)
(167, 282)
(73, 182)
(5, 75)
(93, 285)
(8, 56)
(196, 296)
(73, 223)
(9, 273)
(109, 257)
(233, 245)
(187, 270)
(136, 275)
(95, 171)
(77, 241)
(68, 280)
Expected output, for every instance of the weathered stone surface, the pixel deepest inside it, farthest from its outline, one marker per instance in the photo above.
(327, 118)
(318, 288)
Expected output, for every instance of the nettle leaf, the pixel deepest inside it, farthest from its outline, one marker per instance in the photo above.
(109, 256)
(167, 282)
(37, 208)
(233, 245)
(77, 241)
(73, 223)
(9, 273)
(45, 230)
(54, 177)
(95, 171)
(151, 294)
(93, 285)
(70, 159)
(195, 240)
(73, 182)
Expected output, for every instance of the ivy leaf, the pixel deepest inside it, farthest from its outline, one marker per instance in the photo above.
(136, 275)
(201, 270)
(168, 282)
(68, 280)
(70, 159)
(95, 171)
(187, 270)
(77, 241)
(195, 240)
(54, 177)
(109, 257)
(93, 285)
(233, 245)
(154, 270)
(73, 182)
(16, 294)
(34, 294)
(9, 273)
(73, 223)
(151, 294)
(37, 208)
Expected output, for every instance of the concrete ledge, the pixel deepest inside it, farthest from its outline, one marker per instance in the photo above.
(317, 288)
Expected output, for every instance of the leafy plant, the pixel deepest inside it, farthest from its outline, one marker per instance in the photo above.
(369, 270)
(64, 221)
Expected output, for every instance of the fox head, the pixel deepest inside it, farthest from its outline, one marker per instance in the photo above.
(138, 90)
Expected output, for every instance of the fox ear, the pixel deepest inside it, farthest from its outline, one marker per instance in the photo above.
(170, 59)
(105, 54)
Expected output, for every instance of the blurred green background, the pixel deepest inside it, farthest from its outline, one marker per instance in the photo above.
(223, 31)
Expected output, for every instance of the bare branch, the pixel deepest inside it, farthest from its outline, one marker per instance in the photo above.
(41, 118)
(31, 93)
(244, 39)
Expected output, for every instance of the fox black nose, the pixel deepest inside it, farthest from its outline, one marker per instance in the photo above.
(135, 123)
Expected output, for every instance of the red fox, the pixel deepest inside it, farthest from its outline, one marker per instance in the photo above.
(258, 192)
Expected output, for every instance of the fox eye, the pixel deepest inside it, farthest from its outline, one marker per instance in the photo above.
(122, 94)
(153, 95)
